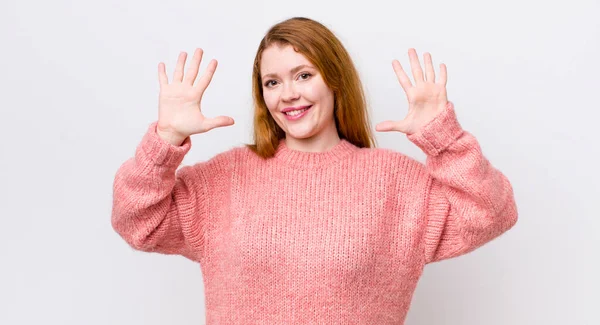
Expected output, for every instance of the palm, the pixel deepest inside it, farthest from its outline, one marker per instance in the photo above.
(188, 117)
(179, 111)
(426, 98)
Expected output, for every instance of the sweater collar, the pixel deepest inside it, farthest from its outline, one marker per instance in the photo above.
(303, 159)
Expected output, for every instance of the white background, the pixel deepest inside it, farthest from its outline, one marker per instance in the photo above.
(79, 87)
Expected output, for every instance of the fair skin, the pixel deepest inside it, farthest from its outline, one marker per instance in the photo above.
(291, 81)
(285, 86)
(427, 97)
(179, 110)
(180, 113)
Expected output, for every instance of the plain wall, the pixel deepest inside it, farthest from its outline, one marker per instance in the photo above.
(79, 88)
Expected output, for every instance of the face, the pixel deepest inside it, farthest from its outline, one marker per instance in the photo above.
(296, 95)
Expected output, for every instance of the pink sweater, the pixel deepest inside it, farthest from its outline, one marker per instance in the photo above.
(338, 237)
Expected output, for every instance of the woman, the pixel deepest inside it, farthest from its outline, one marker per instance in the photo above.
(310, 224)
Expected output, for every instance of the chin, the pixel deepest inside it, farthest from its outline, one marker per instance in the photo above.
(298, 137)
(300, 134)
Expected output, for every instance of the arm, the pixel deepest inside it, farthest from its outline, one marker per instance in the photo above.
(155, 207)
(469, 201)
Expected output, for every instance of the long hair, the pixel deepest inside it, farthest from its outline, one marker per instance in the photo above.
(323, 49)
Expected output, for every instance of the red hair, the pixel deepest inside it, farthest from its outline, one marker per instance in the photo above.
(323, 49)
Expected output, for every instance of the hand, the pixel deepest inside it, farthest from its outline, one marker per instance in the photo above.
(426, 99)
(179, 111)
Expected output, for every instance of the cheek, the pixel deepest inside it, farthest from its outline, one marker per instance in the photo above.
(311, 92)
(270, 100)
(318, 92)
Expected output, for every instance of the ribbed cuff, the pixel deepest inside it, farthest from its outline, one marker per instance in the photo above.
(439, 133)
(161, 152)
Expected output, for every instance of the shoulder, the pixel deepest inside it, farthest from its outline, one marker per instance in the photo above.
(231, 156)
(392, 165)
(401, 173)
(388, 157)
(222, 163)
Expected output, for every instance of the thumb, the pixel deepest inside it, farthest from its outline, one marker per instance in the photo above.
(399, 126)
(218, 121)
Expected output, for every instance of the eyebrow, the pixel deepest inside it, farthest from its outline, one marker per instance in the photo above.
(294, 70)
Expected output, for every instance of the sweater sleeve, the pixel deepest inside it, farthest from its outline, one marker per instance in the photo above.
(157, 208)
(469, 201)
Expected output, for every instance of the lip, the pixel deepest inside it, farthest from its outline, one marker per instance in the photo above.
(287, 109)
(295, 117)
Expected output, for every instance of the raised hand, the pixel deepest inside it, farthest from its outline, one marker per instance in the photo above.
(426, 99)
(179, 111)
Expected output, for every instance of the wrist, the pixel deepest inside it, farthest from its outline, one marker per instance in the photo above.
(170, 138)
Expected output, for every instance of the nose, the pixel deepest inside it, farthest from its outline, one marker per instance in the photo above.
(289, 93)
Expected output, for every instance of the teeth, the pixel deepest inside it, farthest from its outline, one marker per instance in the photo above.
(296, 112)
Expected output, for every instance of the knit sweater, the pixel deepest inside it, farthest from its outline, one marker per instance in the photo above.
(335, 237)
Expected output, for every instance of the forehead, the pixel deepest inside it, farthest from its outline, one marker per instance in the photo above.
(281, 59)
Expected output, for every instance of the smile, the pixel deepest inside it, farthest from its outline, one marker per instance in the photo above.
(296, 114)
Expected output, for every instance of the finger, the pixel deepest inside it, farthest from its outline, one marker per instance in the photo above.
(163, 80)
(415, 66)
(443, 79)
(219, 121)
(402, 77)
(429, 72)
(178, 75)
(387, 126)
(192, 71)
(204, 81)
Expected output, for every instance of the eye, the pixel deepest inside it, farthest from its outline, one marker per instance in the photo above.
(269, 83)
(305, 75)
